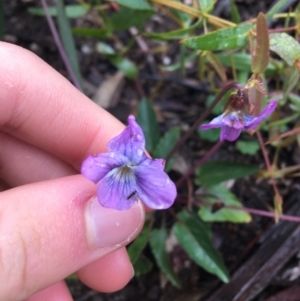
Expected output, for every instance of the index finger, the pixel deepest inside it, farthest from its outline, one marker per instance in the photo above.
(39, 106)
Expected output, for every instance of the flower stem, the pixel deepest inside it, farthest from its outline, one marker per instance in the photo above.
(199, 163)
(269, 167)
(59, 45)
(203, 117)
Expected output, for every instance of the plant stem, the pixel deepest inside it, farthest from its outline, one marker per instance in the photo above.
(59, 45)
(199, 163)
(255, 211)
(203, 116)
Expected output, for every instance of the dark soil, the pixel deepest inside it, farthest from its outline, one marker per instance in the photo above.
(179, 101)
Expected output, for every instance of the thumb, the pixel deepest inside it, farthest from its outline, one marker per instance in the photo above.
(51, 229)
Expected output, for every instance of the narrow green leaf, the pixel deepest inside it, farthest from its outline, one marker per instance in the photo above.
(221, 39)
(295, 102)
(2, 23)
(134, 4)
(91, 32)
(137, 247)
(235, 16)
(212, 173)
(67, 39)
(105, 49)
(222, 194)
(142, 266)
(125, 65)
(174, 34)
(261, 56)
(158, 246)
(247, 147)
(127, 17)
(146, 118)
(194, 238)
(120, 62)
(72, 11)
(275, 9)
(166, 144)
(285, 46)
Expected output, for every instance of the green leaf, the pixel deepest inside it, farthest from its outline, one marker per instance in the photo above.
(218, 108)
(247, 147)
(146, 118)
(285, 46)
(206, 5)
(142, 266)
(235, 16)
(127, 17)
(105, 49)
(72, 11)
(295, 102)
(125, 65)
(166, 144)
(91, 32)
(212, 173)
(212, 135)
(194, 238)
(158, 246)
(174, 34)
(134, 4)
(275, 9)
(291, 82)
(241, 61)
(221, 39)
(137, 247)
(67, 40)
(261, 56)
(221, 193)
(120, 62)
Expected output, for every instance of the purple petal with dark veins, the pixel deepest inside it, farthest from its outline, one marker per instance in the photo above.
(268, 110)
(130, 143)
(96, 167)
(155, 188)
(118, 189)
(229, 133)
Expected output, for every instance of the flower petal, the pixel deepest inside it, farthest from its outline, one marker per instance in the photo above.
(229, 133)
(154, 187)
(234, 119)
(268, 110)
(130, 143)
(215, 123)
(154, 163)
(118, 189)
(96, 167)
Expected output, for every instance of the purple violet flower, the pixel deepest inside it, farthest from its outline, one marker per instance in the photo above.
(125, 174)
(234, 122)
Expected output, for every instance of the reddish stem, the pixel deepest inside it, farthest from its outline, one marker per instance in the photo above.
(199, 163)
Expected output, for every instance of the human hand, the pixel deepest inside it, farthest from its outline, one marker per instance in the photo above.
(51, 224)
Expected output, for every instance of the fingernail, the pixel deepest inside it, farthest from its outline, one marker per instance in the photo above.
(110, 227)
